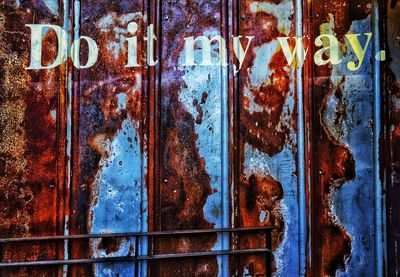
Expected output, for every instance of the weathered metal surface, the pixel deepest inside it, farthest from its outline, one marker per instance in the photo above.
(31, 138)
(113, 149)
(392, 133)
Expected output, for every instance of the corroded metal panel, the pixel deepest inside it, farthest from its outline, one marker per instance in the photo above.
(112, 149)
(31, 123)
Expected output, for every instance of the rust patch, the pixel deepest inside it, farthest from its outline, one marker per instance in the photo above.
(110, 245)
(335, 169)
(259, 194)
(261, 127)
(393, 3)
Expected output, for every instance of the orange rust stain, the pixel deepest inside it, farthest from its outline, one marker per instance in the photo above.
(260, 194)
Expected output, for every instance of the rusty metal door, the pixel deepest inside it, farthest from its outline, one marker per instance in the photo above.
(311, 151)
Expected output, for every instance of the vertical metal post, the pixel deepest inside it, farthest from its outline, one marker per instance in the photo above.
(136, 256)
(379, 197)
(268, 254)
(302, 199)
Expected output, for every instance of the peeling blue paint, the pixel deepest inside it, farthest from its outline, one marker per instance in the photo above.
(52, 5)
(119, 196)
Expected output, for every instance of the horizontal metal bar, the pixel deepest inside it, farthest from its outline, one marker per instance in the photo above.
(137, 258)
(136, 234)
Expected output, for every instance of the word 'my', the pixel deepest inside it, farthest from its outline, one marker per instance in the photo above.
(330, 53)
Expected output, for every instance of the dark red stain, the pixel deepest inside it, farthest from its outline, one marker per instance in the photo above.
(344, 13)
(392, 149)
(110, 245)
(184, 190)
(393, 3)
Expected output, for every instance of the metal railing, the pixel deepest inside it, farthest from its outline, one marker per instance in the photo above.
(135, 258)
